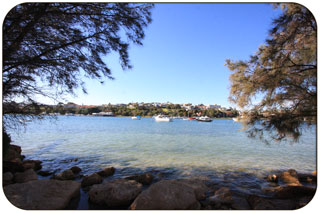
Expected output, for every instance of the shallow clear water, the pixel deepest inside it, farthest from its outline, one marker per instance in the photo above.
(178, 149)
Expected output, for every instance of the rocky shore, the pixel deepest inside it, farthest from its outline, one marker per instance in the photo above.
(22, 186)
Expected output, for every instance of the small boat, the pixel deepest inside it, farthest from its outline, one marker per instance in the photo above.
(136, 117)
(204, 119)
(238, 119)
(162, 118)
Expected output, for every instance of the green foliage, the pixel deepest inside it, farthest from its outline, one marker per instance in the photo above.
(282, 75)
(51, 47)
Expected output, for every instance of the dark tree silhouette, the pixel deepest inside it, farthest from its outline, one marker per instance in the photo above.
(283, 74)
(50, 48)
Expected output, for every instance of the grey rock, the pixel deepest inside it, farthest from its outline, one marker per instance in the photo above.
(107, 172)
(166, 195)
(7, 178)
(75, 169)
(42, 194)
(145, 179)
(26, 176)
(115, 193)
(91, 179)
(65, 175)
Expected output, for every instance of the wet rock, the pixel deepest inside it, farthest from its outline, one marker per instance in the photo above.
(45, 173)
(65, 175)
(240, 203)
(145, 179)
(115, 193)
(307, 178)
(166, 195)
(7, 178)
(26, 176)
(13, 152)
(75, 169)
(42, 194)
(290, 177)
(91, 179)
(272, 178)
(221, 196)
(107, 172)
(34, 164)
(13, 166)
(200, 189)
(287, 192)
(303, 201)
(259, 203)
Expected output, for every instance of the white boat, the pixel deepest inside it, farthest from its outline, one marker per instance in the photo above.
(204, 119)
(136, 118)
(162, 118)
(238, 119)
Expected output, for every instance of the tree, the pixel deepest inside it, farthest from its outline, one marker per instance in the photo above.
(49, 48)
(281, 77)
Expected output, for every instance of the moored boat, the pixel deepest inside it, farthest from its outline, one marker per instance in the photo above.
(162, 118)
(204, 119)
(136, 117)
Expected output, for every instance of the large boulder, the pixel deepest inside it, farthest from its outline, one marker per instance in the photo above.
(198, 186)
(117, 193)
(106, 172)
(14, 152)
(65, 175)
(42, 194)
(261, 203)
(166, 195)
(288, 192)
(7, 178)
(26, 176)
(290, 177)
(91, 179)
(13, 165)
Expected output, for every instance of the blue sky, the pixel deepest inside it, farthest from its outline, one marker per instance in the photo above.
(183, 56)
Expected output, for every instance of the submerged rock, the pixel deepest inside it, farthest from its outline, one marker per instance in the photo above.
(272, 178)
(75, 169)
(26, 176)
(166, 195)
(290, 177)
(65, 175)
(221, 196)
(107, 172)
(91, 179)
(145, 179)
(115, 193)
(42, 194)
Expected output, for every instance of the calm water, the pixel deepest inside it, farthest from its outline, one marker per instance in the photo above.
(216, 150)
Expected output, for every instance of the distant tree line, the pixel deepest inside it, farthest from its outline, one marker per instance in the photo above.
(170, 110)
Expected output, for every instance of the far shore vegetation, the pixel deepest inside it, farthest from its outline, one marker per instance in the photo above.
(133, 109)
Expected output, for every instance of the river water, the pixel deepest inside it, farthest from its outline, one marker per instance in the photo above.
(218, 150)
